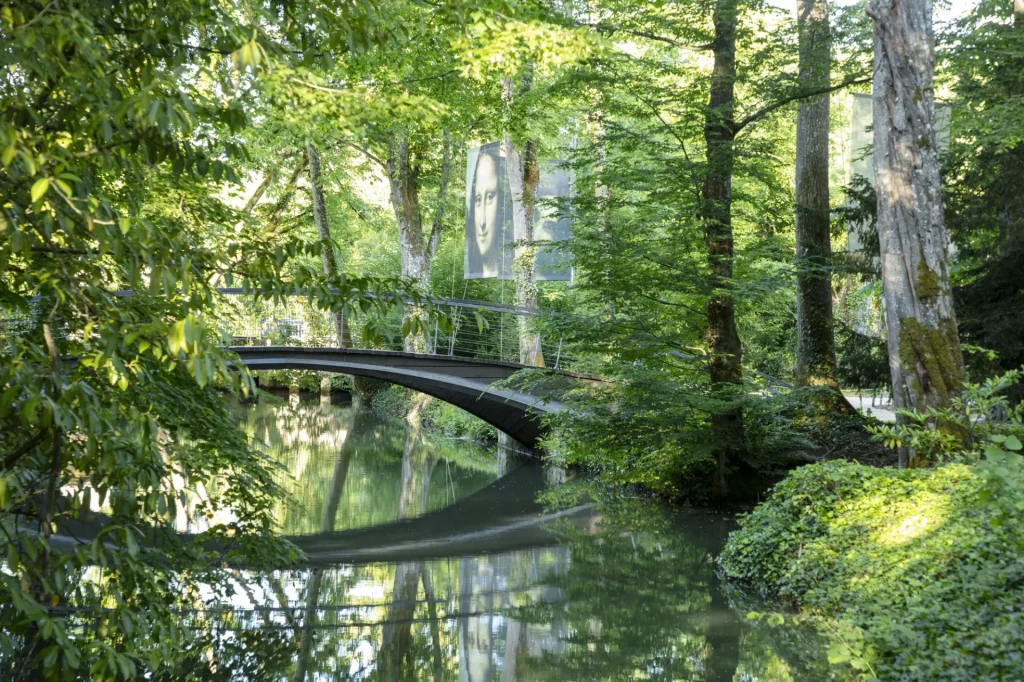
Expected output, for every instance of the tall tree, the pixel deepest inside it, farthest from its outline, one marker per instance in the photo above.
(815, 349)
(404, 168)
(925, 360)
(723, 339)
(120, 131)
(523, 171)
(323, 230)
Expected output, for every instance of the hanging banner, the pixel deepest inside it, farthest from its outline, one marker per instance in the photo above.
(488, 213)
(490, 250)
(550, 225)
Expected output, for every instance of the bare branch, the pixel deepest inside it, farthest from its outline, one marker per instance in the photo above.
(12, 457)
(367, 153)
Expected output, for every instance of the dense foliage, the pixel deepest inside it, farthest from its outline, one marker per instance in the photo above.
(914, 563)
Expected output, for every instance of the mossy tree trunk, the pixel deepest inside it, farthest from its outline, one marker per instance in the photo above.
(722, 336)
(523, 172)
(925, 360)
(815, 347)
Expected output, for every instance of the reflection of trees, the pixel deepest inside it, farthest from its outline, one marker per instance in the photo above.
(638, 599)
(638, 603)
(305, 438)
(330, 513)
(394, 660)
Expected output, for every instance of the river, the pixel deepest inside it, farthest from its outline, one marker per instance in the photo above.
(434, 559)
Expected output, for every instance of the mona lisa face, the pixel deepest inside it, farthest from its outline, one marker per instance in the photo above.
(485, 203)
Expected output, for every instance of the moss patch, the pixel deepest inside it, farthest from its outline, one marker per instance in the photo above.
(938, 352)
(927, 281)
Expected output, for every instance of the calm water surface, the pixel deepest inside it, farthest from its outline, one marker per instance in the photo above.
(430, 559)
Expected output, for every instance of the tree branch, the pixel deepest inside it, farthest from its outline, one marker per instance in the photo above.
(12, 458)
(796, 97)
(607, 28)
(289, 191)
(367, 153)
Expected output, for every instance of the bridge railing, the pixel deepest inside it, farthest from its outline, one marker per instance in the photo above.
(475, 329)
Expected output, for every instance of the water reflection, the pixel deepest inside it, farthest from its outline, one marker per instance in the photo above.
(631, 594)
(361, 463)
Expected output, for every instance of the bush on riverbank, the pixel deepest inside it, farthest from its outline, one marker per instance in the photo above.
(923, 563)
(449, 420)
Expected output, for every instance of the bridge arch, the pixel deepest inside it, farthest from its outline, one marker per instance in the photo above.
(468, 383)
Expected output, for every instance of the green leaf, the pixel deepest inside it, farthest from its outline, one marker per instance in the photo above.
(39, 188)
(994, 453)
(838, 653)
(1012, 443)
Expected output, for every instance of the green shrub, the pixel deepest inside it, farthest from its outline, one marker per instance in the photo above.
(911, 574)
(449, 420)
(981, 418)
(454, 422)
(391, 401)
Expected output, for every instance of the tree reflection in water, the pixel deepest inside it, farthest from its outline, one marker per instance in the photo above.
(632, 596)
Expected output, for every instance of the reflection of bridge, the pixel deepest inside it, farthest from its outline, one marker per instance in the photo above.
(473, 384)
(501, 517)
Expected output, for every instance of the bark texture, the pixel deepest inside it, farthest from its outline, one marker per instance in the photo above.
(523, 172)
(323, 230)
(815, 348)
(722, 336)
(925, 361)
(417, 252)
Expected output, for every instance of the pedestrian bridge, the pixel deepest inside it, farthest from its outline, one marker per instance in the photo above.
(480, 387)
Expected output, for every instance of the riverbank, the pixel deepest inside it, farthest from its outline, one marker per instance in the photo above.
(910, 574)
(435, 415)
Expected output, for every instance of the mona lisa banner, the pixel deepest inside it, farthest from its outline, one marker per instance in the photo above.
(490, 240)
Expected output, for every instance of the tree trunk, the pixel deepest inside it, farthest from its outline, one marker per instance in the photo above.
(523, 174)
(286, 198)
(417, 253)
(323, 230)
(722, 337)
(925, 361)
(815, 345)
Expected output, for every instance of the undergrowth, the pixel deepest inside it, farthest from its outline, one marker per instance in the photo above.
(910, 574)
